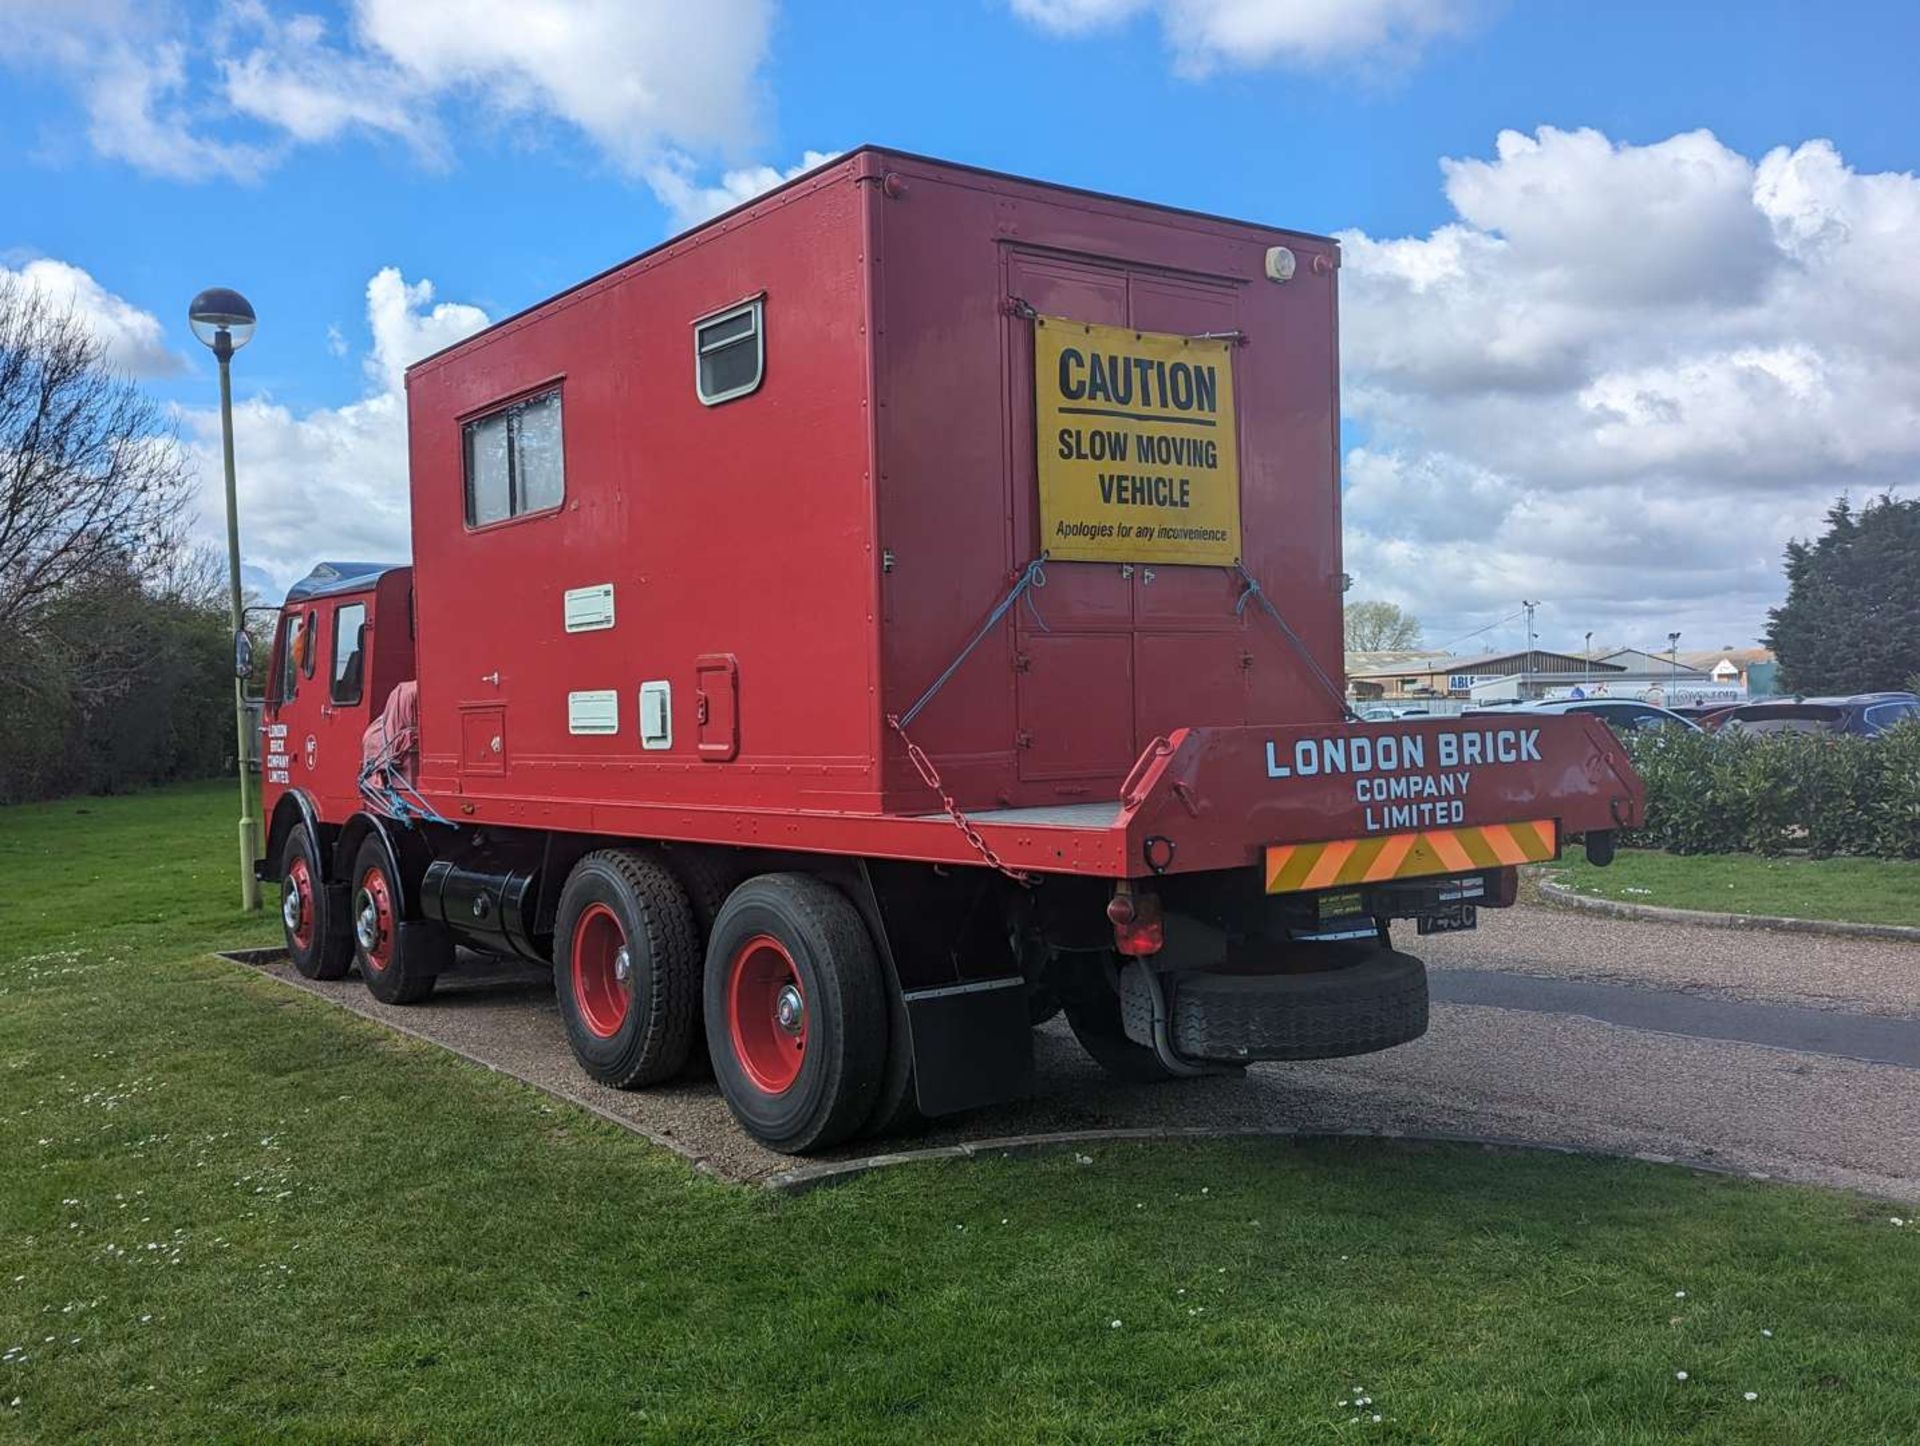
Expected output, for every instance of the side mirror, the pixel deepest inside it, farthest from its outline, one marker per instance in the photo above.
(242, 655)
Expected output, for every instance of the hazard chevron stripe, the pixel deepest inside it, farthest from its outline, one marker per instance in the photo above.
(1336, 864)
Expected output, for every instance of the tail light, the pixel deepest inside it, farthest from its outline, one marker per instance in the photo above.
(1137, 924)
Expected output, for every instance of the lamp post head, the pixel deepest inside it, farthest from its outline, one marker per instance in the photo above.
(222, 319)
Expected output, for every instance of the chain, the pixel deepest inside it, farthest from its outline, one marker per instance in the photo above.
(931, 777)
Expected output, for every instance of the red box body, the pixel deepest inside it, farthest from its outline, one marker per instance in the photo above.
(828, 544)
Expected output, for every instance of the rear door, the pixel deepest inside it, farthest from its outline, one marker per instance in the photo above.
(1074, 647)
(1112, 654)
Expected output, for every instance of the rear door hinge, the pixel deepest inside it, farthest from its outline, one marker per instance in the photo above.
(1023, 740)
(1022, 663)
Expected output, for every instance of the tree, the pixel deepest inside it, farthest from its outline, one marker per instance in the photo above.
(1851, 621)
(91, 476)
(114, 645)
(1374, 626)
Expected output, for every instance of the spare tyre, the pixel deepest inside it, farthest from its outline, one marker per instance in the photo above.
(1371, 1005)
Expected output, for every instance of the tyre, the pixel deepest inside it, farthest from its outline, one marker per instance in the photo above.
(896, 1108)
(398, 967)
(320, 945)
(1374, 1004)
(1093, 1013)
(626, 968)
(797, 1008)
(708, 876)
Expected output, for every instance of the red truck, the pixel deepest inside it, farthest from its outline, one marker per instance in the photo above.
(899, 609)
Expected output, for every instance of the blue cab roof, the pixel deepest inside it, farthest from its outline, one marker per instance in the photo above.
(328, 578)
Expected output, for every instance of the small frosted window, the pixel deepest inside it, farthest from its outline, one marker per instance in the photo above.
(729, 353)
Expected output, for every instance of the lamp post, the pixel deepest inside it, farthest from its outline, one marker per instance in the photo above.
(1673, 666)
(223, 319)
(1587, 653)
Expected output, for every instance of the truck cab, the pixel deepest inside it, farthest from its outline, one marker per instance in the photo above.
(342, 644)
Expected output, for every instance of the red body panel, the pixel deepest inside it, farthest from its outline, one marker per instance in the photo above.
(801, 563)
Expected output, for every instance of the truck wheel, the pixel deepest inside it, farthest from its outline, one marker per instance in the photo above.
(626, 968)
(708, 876)
(796, 1012)
(896, 1110)
(1093, 1011)
(396, 970)
(320, 945)
(1375, 1003)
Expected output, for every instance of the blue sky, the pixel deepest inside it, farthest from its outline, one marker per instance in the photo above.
(298, 151)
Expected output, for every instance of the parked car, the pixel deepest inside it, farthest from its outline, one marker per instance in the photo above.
(1622, 715)
(1862, 715)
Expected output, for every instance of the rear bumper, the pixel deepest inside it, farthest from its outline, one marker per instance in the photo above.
(1410, 798)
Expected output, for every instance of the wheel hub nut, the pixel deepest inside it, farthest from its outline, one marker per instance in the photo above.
(366, 926)
(290, 908)
(622, 966)
(790, 1009)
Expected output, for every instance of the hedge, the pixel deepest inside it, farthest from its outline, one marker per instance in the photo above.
(1772, 793)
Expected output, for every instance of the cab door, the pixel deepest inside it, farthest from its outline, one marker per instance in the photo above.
(345, 707)
(291, 710)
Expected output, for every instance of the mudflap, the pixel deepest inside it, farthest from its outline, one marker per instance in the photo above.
(972, 1044)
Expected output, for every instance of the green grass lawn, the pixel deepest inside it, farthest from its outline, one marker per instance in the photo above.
(1866, 891)
(231, 1210)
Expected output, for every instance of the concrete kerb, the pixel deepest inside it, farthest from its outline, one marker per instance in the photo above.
(805, 1178)
(1561, 897)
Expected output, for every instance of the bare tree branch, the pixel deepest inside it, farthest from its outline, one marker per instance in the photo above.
(92, 477)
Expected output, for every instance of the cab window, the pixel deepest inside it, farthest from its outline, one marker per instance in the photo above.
(349, 630)
(292, 632)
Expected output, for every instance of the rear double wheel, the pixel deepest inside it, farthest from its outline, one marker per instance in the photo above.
(796, 1013)
(626, 968)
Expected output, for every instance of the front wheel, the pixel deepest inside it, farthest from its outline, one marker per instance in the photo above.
(319, 943)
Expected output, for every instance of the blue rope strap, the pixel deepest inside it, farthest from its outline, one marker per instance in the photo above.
(1034, 576)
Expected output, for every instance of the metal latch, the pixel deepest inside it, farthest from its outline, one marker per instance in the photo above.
(700, 709)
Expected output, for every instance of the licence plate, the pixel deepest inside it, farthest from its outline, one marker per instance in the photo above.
(1450, 921)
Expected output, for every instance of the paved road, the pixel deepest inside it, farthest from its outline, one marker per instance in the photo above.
(1785, 1054)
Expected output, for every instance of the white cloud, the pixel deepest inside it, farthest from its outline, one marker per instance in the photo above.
(674, 181)
(404, 331)
(1623, 377)
(134, 339)
(632, 77)
(229, 99)
(331, 482)
(1207, 34)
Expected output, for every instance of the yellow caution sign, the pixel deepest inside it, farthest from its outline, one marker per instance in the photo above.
(1138, 459)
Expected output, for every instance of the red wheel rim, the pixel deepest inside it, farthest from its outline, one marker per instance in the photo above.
(296, 908)
(373, 919)
(602, 973)
(767, 1013)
